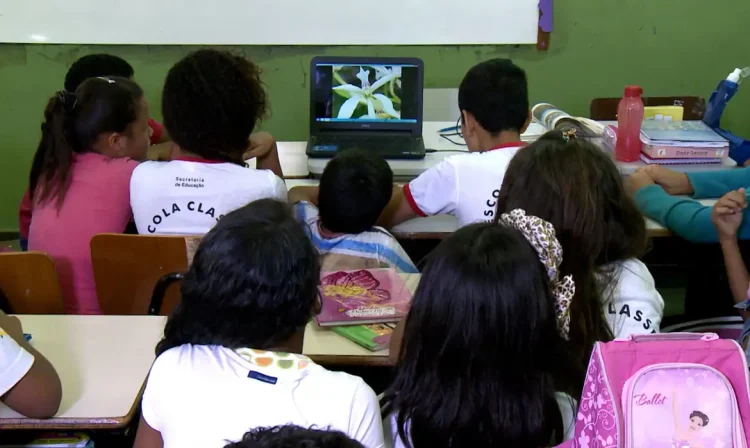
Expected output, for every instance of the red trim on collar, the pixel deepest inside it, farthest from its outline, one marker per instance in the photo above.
(518, 144)
(198, 160)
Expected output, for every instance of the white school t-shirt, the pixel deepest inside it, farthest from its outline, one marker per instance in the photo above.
(633, 305)
(188, 196)
(465, 185)
(15, 362)
(566, 404)
(203, 396)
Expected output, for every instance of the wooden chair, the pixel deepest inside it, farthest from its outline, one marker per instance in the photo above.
(606, 108)
(29, 281)
(131, 271)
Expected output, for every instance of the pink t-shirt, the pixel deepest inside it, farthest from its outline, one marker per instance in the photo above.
(98, 201)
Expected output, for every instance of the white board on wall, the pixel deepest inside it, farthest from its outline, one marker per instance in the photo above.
(269, 22)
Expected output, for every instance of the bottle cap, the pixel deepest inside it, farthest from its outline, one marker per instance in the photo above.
(633, 91)
(735, 76)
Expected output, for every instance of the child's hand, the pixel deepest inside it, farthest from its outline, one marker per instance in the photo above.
(727, 213)
(12, 326)
(671, 181)
(641, 178)
(259, 145)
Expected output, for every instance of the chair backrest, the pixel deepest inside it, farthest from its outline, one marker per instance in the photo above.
(128, 267)
(606, 108)
(29, 281)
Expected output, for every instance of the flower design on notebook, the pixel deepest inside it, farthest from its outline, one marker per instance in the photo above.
(354, 290)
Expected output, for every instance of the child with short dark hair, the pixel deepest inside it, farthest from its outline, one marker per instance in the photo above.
(483, 361)
(577, 187)
(102, 64)
(80, 178)
(494, 102)
(340, 214)
(291, 436)
(93, 65)
(231, 354)
(211, 104)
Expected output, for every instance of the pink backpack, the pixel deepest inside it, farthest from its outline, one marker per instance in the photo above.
(678, 390)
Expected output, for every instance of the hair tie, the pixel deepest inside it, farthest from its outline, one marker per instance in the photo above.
(68, 100)
(541, 235)
(104, 78)
(570, 134)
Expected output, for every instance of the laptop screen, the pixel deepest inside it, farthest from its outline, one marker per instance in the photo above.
(358, 93)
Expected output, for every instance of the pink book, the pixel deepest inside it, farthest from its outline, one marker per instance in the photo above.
(680, 151)
(367, 296)
(687, 161)
(656, 151)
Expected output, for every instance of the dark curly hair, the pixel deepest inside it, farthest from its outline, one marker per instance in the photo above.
(212, 102)
(291, 436)
(253, 282)
(94, 65)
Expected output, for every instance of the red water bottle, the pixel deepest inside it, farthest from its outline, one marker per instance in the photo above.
(629, 120)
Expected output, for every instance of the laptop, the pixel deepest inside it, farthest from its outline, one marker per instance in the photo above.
(371, 104)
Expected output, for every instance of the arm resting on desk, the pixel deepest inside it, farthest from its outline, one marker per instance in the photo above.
(398, 210)
(434, 192)
(715, 184)
(262, 147)
(304, 193)
(39, 393)
(685, 217)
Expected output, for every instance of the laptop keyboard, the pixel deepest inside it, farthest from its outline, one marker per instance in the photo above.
(388, 144)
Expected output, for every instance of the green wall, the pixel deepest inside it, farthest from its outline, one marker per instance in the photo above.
(670, 47)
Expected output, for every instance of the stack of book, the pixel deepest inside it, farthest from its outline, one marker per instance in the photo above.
(677, 143)
(363, 306)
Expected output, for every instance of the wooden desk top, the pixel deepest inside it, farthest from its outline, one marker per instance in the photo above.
(326, 347)
(102, 361)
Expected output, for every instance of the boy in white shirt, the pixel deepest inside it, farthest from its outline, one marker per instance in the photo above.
(28, 383)
(230, 359)
(340, 215)
(211, 104)
(494, 102)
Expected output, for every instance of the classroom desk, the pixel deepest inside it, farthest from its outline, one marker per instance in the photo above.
(409, 169)
(296, 165)
(437, 227)
(292, 158)
(326, 347)
(102, 361)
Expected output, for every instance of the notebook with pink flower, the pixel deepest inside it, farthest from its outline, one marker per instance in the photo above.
(367, 296)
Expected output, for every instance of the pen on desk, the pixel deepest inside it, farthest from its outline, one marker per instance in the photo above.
(27, 337)
(449, 129)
